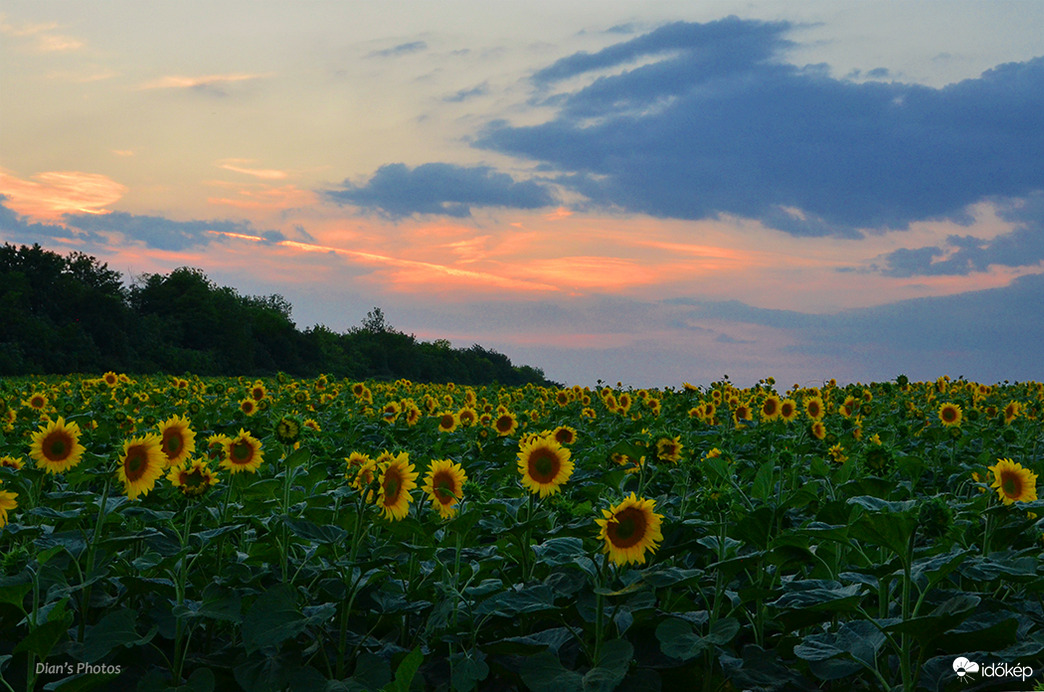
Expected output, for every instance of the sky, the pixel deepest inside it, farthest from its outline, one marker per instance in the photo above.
(650, 192)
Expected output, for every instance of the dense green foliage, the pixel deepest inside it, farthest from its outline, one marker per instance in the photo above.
(62, 314)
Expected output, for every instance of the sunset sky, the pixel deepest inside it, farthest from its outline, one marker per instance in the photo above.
(646, 192)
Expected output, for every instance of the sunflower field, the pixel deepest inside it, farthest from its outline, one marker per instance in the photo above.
(219, 533)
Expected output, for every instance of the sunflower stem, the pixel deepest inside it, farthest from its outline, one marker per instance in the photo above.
(180, 640)
(85, 600)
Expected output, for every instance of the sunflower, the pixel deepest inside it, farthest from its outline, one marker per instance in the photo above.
(111, 379)
(412, 413)
(788, 410)
(814, 408)
(12, 462)
(248, 406)
(56, 446)
(8, 502)
(141, 464)
(741, 415)
(467, 416)
(216, 446)
(311, 424)
(544, 465)
(396, 481)
(448, 421)
(193, 479)
(950, 415)
(1011, 412)
(361, 472)
(242, 453)
(564, 435)
(629, 529)
(444, 486)
(390, 412)
(1013, 482)
(818, 430)
(37, 402)
(179, 441)
(258, 391)
(669, 449)
(770, 408)
(505, 424)
(288, 430)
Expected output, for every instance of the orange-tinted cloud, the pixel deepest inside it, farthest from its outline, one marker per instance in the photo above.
(238, 166)
(45, 40)
(47, 196)
(266, 198)
(183, 82)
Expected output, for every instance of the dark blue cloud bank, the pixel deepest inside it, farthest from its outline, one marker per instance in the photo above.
(153, 232)
(987, 335)
(397, 191)
(713, 121)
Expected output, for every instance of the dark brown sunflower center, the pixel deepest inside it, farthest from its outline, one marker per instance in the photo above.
(949, 415)
(504, 423)
(172, 444)
(392, 484)
(444, 487)
(544, 465)
(58, 446)
(135, 464)
(447, 421)
(1011, 484)
(242, 452)
(627, 528)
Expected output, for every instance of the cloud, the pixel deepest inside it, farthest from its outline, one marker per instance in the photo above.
(397, 191)
(401, 49)
(700, 120)
(967, 333)
(51, 194)
(465, 94)
(165, 234)
(237, 166)
(46, 41)
(1023, 246)
(213, 84)
(17, 228)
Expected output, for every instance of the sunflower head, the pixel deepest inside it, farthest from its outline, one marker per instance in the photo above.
(544, 465)
(56, 447)
(1013, 482)
(193, 479)
(669, 449)
(179, 441)
(397, 479)
(950, 415)
(505, 424)
(630, 529)
(8, 501)
(288, 430)
(443, 485)
(242, 453)
(141, 464)
(448, 421)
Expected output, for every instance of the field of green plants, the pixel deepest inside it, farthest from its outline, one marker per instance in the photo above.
(219, 533)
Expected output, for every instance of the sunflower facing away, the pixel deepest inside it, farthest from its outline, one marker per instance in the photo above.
(56, 446)
(444, 486)
(544, 465)
(141, 464)
(243, 453)
(629, 530)
(193, 479)
(179, 441)
(397, 479)
(1013, 482)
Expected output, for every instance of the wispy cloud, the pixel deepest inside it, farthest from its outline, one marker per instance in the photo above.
(202, 82)
(239, 166)
(49, 195)
(42, 36)
(400, 49)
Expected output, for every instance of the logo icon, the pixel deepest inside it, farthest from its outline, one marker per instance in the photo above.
(964, 667)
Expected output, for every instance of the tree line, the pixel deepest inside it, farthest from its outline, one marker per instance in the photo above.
(65, 314)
